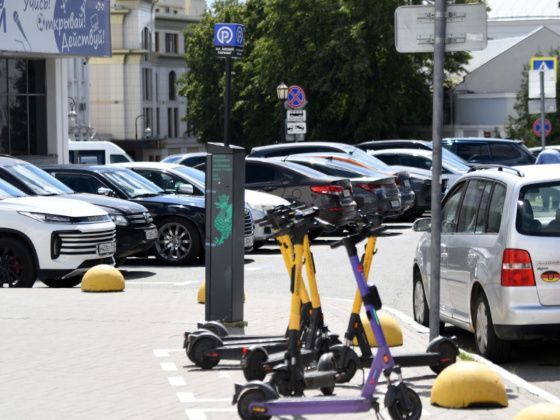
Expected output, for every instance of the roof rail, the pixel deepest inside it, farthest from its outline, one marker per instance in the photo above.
(498, 167)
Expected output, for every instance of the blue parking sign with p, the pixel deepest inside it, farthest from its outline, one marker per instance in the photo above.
(229, 35)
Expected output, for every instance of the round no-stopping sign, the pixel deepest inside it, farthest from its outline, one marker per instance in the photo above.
(296, 97)
(537, 127)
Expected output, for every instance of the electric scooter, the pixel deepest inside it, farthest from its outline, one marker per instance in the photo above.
(440, 353)
(257, 399)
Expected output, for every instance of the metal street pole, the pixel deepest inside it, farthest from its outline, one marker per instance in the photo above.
(437, 126)
(543, 135)
(227, 105)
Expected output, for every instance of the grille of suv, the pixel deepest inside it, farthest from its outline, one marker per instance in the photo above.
(139, 219)
(80, 243)
(248, 230)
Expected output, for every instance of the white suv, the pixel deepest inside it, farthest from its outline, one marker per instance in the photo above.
(50, 238)
(500, 258)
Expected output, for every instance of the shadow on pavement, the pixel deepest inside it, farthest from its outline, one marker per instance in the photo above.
(135, 275)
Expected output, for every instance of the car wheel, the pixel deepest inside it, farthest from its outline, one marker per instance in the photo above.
(63, 283)
(487, 343)
(17, 268)
(178, 241)
(419, 302)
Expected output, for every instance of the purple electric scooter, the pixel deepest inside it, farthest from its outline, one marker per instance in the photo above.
(258, 400)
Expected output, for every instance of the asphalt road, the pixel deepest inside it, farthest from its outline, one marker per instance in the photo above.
(536, 362)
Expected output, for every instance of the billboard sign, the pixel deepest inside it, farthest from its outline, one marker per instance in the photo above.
(58, 27)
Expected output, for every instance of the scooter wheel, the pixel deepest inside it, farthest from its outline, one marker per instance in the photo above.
(448, 352)
(199, 352)
(397, 411)
(245, 399)
(280, 381)
(348, 372)
(253, 370)
(216, 327)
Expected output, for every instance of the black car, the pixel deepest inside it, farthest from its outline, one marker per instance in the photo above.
(490, 151)
(297, 183)
(373, 194)
(187, 159)
(179, 219)
(135, 229)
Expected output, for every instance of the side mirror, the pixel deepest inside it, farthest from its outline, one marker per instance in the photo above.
(185, 189)
(106, 191)
(422, 225)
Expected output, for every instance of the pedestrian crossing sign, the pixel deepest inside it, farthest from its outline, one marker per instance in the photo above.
(545, 63)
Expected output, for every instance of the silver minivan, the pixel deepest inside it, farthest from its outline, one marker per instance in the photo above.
(500, 257)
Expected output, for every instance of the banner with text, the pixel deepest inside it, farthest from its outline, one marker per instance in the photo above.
(67, 27)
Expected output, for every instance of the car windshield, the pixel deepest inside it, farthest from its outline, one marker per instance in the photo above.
(538, 212)
(311, 173)
(195, 175)
(455, 166)
(7, 190)
(132, 184)
(172, 159)
(40, 182)
(366, 158)
(331, 170)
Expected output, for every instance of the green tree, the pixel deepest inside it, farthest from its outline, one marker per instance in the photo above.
(340, 51)
(521, 125)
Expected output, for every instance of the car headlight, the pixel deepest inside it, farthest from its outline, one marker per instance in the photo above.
(260, 207)
(47, 218)
(118, 219)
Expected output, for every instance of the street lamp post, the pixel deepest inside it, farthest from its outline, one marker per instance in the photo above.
(136, 126)
(282, 93)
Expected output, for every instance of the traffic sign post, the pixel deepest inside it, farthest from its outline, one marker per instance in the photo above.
(538, 127)
(296, 116)
(542, 85)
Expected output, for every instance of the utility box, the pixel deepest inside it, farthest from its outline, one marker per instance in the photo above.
(224, 242)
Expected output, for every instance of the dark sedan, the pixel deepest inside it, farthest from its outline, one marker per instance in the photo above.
(297, 183)
(179, 219)
(373, 194)
(135, 229)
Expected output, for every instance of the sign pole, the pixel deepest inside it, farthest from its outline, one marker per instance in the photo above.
(437, 127)
(227, 104)
(543, 133)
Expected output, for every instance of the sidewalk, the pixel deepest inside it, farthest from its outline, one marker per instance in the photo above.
(73, 355)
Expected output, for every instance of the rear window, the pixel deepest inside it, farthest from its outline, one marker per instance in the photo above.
(538, 212)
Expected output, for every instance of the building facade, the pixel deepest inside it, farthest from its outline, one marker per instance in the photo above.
(133, 94)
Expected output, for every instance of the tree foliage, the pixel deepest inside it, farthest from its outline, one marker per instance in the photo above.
(521, 126)
(341, 52)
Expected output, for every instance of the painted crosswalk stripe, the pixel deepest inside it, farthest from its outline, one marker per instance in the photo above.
(176, 381)
(199, 413)
(168, 366)
(188, 397)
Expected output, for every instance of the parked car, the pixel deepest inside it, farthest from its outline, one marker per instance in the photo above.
(536, 150)
(186, 180)
(490, 151)
(375, 145)
(296, 183)
(135, 229)
(179, 219)
(96, 152)
(376, 193)
(404, 179)
(50, 238)
(500, 270)
(417, 158)
(187, 159)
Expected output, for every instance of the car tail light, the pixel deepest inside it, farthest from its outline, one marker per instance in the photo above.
(327, 189)
(374, 188)
(398, 181)
(517, 269)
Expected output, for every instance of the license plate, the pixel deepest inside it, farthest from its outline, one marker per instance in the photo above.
(152, 234)
(346, 193)
(395, 203)
(407, 183)
(107, 248)
(248, 241)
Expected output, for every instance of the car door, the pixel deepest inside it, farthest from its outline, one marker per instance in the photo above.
(450, 213)
(262, 177)
(465, 249)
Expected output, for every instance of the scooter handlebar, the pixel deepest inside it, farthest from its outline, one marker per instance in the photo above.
(360, 236)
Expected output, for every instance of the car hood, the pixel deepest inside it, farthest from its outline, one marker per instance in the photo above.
(123, 206)
(264, 199)
(177, 199)
(53, 205)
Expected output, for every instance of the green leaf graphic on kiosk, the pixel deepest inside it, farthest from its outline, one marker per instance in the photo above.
(223, 221)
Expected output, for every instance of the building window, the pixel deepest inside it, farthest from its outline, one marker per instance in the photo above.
(169, 122)
(158, 127)
(157, 42)
(23, 107)
(146, 41)
(148, 119)
(171, 41)
(172, 86)
(147, 84)
(176, 122)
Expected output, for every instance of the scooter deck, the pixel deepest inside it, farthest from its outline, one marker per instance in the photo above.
(237, 351)
(318, 405)
(408, 360)
(276, 359)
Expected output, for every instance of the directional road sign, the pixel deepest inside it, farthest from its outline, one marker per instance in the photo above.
(229, 39)
(296, 115)
(296, 97)
(537, 127)
(466, 28)
(296, 128)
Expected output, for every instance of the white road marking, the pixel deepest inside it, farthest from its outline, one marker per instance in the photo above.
(188, 397)
(168, 366)
(515, 379)
(224, 375)
(257, 268)
(176, 381)
(198, 414)
(172, 283)
(165, 352)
